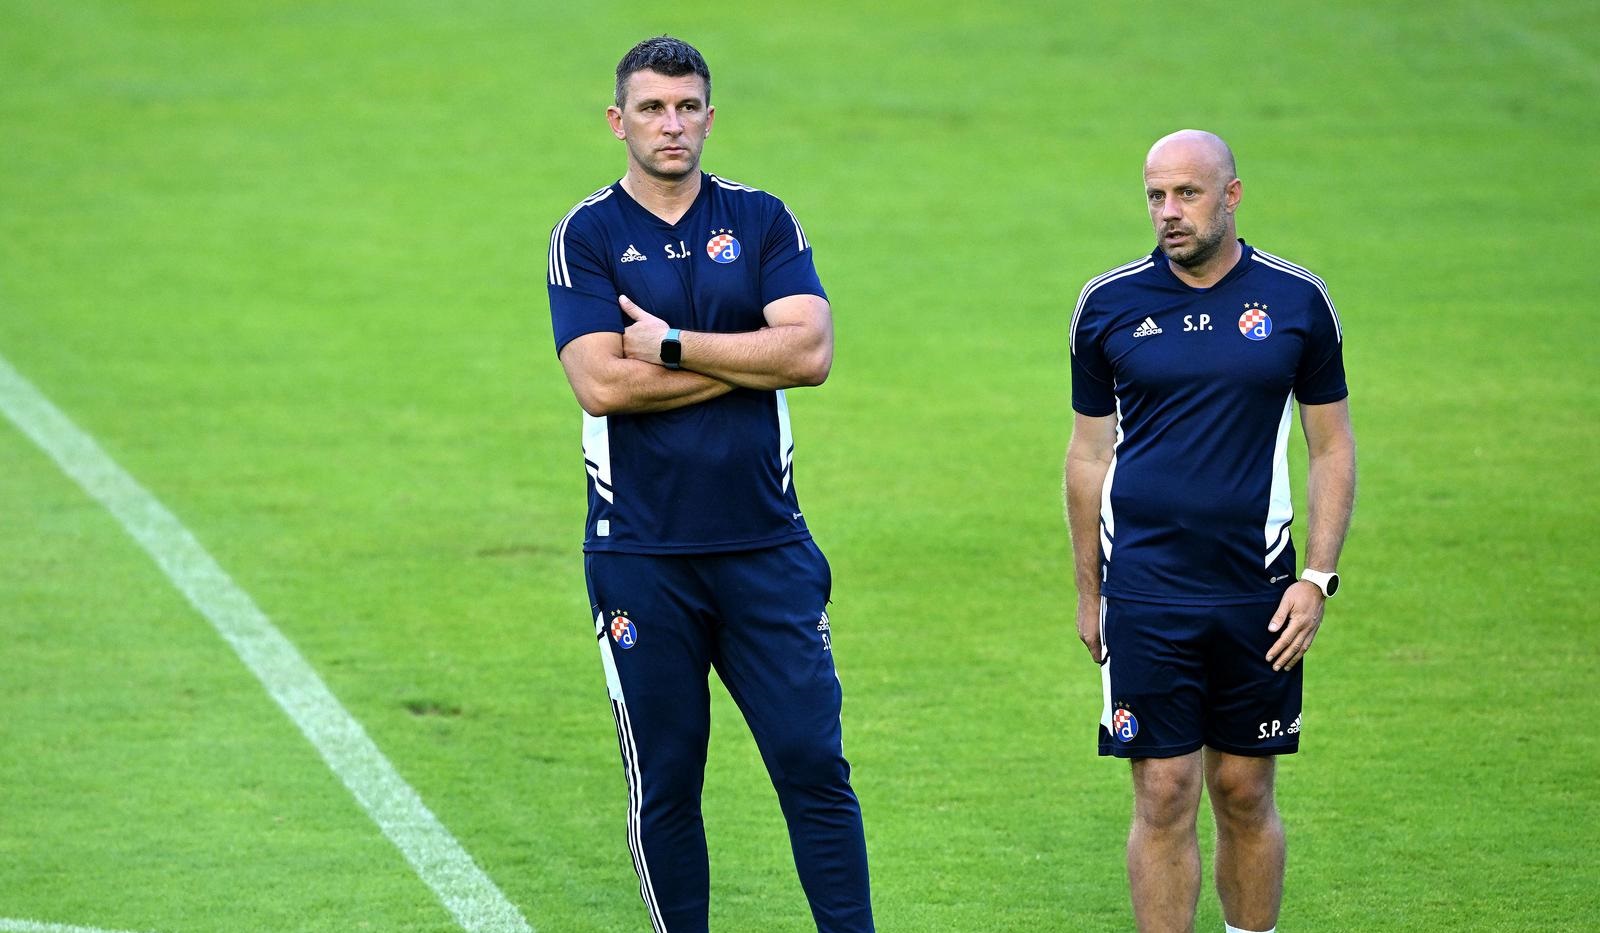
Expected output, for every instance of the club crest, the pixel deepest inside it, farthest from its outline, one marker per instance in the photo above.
(722, 247)
(1124, 725)
(1254, 322)
(622, 630)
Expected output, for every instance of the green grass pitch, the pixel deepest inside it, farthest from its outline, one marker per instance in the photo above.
(284, 260)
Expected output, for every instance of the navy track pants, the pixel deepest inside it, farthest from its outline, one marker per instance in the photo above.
(758, 617)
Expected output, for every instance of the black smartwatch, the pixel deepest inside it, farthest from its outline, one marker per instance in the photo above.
(1328, 583)
(672, 349)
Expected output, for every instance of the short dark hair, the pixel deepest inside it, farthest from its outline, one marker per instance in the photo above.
(663, 55)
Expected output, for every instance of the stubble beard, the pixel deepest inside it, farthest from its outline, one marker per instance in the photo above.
(668, 172)
(673, 174)
(1207, 244)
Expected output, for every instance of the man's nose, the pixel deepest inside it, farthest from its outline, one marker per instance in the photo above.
(673, 123)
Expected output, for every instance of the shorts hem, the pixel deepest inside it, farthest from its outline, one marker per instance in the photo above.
(1162, 751)
(1254, 751)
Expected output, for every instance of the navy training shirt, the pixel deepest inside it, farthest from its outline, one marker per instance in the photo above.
(1196, 506)
(711, 477)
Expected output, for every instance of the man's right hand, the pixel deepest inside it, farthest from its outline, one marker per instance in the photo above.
(1089, 627)
(642, 339)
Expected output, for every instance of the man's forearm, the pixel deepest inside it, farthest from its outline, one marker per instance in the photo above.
(1084, 481)
(794, 349)
(1331, 493)
(632, 387)
(778, 357)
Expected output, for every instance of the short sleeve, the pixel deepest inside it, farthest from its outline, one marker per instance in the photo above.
(1093, 385)
(786, 267)
(1319, 379)
(583, 296)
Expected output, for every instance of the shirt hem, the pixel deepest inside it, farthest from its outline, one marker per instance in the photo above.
(725, 547)
(1197, 599)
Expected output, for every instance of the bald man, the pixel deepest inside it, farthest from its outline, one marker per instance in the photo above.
(1186, 367)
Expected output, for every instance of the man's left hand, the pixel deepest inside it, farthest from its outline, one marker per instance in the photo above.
(1298, 617)
(641, 340)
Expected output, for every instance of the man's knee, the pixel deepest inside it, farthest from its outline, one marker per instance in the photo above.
(1166, 792)
(807, 762)
(671, 767)
(668, 791)
(1242, 791)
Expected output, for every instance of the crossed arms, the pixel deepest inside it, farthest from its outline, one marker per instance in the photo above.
(622, 373)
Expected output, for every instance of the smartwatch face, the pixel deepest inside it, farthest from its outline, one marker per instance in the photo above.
(671, 352)
(1333, 584)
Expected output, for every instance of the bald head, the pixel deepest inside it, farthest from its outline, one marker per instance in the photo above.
(1193, 189)
(1197, 150)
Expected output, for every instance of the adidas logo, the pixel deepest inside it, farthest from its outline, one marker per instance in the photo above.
(1147, 329)
(632, 255)
(1294, 727)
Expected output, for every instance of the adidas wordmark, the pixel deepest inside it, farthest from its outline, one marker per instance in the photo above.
(1147, 329)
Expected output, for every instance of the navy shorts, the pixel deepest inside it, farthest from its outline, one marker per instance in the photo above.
(1180, 677)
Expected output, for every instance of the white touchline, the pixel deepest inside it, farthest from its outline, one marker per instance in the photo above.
(8, 925)
(437, 857)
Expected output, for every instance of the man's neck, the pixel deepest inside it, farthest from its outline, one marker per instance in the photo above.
(667, 198)
(1213, 271)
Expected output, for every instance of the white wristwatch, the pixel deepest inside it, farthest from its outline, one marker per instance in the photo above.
(1328, 583)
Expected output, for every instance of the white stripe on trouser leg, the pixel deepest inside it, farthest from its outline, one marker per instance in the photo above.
(647, 889)
(630, 767)
(613, 682)
(630, 759)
